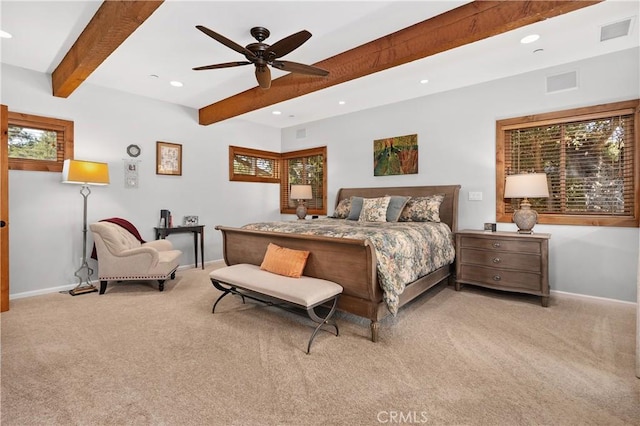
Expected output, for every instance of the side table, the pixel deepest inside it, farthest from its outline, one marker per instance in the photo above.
(195, 229)
(504, 261)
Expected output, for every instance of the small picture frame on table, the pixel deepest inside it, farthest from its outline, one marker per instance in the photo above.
(168, 159)
(190, 221)
(489, 227)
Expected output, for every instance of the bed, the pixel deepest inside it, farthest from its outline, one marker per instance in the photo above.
(350, 262)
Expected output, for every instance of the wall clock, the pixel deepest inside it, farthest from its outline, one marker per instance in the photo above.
(133, 150)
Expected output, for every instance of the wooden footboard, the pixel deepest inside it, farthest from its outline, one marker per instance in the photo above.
(348, 262)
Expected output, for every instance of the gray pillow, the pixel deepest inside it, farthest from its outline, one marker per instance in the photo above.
(356, 207)
(396, 205)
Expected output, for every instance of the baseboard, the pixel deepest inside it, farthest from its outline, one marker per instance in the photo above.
(586, 296)
(220, 263)
(59, 289)
(65, 288)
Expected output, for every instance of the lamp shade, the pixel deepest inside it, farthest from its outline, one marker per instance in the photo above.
(85, 172)
(527, 185)
(301, 192)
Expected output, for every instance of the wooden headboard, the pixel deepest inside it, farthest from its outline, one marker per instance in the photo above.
(448, 208)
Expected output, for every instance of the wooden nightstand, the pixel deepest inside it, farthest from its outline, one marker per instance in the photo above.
(504, 261)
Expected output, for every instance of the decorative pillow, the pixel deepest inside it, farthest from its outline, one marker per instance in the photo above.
(374, 209)
(342, 209)
(284, 261)
(356, 207)
(422, 209)
(396, 204)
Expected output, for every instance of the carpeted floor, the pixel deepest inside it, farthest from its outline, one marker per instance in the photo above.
(475, 357)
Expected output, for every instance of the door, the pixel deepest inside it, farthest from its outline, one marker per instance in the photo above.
(4, 209)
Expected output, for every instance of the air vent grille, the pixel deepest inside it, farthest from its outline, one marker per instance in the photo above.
(564, 81)
(615, 30)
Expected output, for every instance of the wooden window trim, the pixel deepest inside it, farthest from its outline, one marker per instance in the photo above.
(284, 209)
(44, 123)
(577, 114)
(268, 155)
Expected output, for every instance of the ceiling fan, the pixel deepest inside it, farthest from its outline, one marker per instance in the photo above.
(263, 55)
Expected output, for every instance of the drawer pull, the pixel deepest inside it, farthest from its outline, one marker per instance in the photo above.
(496, 245)
(496, 278)
(496, 260)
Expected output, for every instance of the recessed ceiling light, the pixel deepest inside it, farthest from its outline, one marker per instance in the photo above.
(538, 51)
(530, 38)
(4, 34)
(276, 112)
(341, 102)
(153, 75)
(424, 81)
(176, 83)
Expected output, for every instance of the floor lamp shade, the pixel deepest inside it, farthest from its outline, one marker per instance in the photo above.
(526, 185)
(301, 193)
(84, 173)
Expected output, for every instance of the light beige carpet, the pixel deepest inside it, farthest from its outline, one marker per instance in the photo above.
(475, 357)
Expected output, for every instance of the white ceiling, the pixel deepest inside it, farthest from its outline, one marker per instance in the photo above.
(169, 46)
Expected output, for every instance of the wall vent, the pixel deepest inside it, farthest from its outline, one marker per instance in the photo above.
(301, 133)
(560, 82)
(615, 30)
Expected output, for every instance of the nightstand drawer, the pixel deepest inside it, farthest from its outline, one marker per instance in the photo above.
(501, 260)
(501, 244)
(500, 278)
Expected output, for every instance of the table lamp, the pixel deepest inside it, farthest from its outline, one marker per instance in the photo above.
(533, 185)
(301, 193)
(84, 173)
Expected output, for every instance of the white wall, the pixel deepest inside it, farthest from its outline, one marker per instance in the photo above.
(45, 215)
(456, 136)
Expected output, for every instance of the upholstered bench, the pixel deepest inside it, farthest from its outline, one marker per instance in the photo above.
(252, 282)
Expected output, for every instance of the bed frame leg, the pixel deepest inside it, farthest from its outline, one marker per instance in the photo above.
(375, 326)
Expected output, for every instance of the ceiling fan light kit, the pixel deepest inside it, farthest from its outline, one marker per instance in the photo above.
(262, 55)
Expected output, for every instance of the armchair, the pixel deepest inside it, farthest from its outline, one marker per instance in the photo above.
(121, 257)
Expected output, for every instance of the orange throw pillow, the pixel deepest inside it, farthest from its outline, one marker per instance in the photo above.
(284, 261)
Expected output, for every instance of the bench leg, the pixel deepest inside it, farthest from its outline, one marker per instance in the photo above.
(224, 291)
(322, 321)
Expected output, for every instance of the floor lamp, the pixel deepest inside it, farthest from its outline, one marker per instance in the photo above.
(84, 173)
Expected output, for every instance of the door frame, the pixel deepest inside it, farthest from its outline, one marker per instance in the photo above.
(4, 208)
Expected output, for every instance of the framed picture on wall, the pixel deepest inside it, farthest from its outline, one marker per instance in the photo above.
(168, 159)
(395, 156)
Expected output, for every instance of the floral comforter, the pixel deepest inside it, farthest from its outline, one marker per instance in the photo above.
(405, 251)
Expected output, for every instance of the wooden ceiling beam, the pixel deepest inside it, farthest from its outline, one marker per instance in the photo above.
(114, 21)
(466, 24)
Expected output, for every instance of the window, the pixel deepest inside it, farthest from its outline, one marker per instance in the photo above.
(306, 167)
(39, 143)
(590, 156)
(252, 165)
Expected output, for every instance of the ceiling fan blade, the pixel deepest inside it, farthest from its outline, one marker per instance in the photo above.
(287, 44)
(225, 65)
(230, 44)
(299, 68)
(263, 75)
